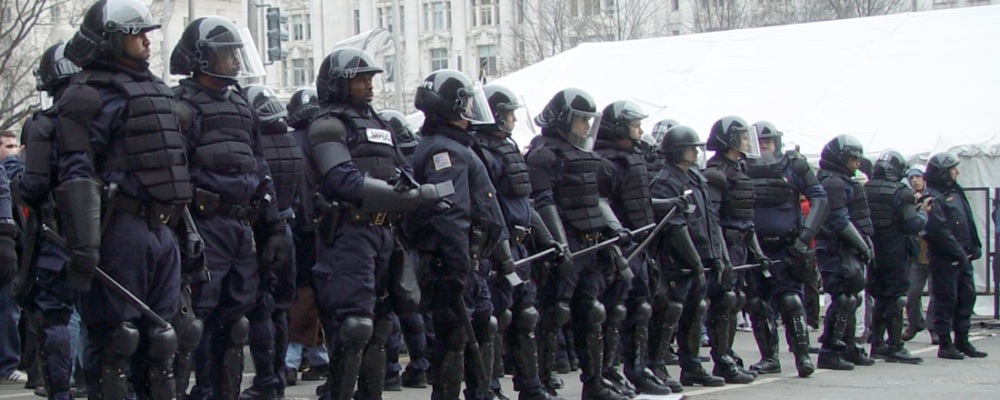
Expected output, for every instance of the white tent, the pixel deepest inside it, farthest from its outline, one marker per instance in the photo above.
(917, 82)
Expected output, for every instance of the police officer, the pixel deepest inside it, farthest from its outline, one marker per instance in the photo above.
(456, 238)
(406, 139)
(896, 220)
(690, 240)
(731, 191)
(268, 337)
(778, 181)
(514, 307)
(117, 126)
(842, 250)
(953, 243)
(362, 185)
(51, 302)
(233, 188)
(624, 187)
(563, 171)
(653, 157)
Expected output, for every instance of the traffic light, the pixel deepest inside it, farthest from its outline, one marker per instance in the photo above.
(276, 33)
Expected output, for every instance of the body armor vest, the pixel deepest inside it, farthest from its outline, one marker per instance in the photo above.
(858, 209)
(286, 162)
(371, 145)
(514, 181)
(225, 143)
(575, 188)
(152, 144)
(632, 205)
(38, 152)
(880, 193)
(770, 186)
(738, 201)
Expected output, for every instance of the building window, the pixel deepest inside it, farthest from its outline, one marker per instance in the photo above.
(387, 65)
(299, 72)
(676, 5)
(487, 60)
(284, 76)
(402, 20)
(357, 21)
(485, 12)
(309, 27)
(520, 11)
(675, 32)
(437, 15)
(439, 59)
(298, 27)
(591, 7)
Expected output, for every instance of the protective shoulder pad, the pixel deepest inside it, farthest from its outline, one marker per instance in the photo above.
(327, 129)
(185, 116)
(836, 192)
(540, 162)
(78, 105)
(327, 139)
(906, 195)
(715, 177)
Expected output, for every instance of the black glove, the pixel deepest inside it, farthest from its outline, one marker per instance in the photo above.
(802, 252)
(723, 271)
(624, 236)
(976, 253)
(8, 253)
(82, 267)
(275, 251)
(403, 182)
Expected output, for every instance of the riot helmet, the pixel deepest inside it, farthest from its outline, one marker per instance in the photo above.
(104, 26)
(661, 128)
(733, 133)
(302, 107)
(891, 165)
(938, 171)
(573, 113)
(503, 103)
(337, 70)
(676, 140)
(54, 69)
(769, 140)
(619, 120)
(266, 103)
(405, 138)
(450, 95)
(840, 151)
(214, 46)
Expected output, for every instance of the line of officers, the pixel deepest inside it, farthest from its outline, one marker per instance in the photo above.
(202, 199)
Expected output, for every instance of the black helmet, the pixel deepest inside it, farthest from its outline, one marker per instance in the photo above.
(676, 139)
(206, 47)
(891, 165)
(766, 130)
(502, 101)
(840, 150)
(734, 133)
(302, 107)
(661, 128)
(54, 69)
(103, 26)
(336, 71)
(566, 107)
(450, 95)
(405, 138)
(265, 102)
(939, 167)
(617, 118)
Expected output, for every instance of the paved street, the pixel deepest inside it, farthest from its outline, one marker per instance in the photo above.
(934, 380)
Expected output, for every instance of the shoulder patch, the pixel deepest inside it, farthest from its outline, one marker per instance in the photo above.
(442, 160)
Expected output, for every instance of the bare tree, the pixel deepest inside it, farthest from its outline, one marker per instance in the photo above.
(865, 8)
(719, 15)
(627, 19)
(20, 47)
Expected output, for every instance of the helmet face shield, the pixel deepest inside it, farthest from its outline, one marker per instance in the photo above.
(745, 141)
(473, 106)
(226, 56)
(581, 128)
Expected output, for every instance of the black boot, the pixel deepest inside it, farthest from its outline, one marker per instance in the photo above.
(894, 350)
(797, 335)
(765, 333)
(718, 334)
(947, 349)
(637, 338)
(963, 345)
(536, 394)
(700, 377)
(831, 354)
(594, 386)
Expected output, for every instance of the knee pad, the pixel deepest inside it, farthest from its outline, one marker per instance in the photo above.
(162, 342)
(844, 304)
(355, 331)
(755, 306)
(642, 312)
(724, 301)
(503, 320)
(673, 312)
(595, 312)
(492, 326)
(559, 314)
(616, 314)
(381, 330)
(700, 311)
(190, 335)
(526, 319)
(741, 299)
(123, 339)
(791, 302)
(239, 332)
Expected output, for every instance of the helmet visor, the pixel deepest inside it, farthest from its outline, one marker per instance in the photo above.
(230, 56)
(473, 106)
(745, 141)
(581, 128)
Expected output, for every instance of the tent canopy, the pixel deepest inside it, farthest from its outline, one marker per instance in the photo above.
(916, 82)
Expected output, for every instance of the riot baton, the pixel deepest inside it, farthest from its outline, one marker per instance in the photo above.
(111, 283)
(535, 256)
(608, 242)
(652, 235)
(751, 266)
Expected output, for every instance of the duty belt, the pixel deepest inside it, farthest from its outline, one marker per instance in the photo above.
(207, 203)
(517, 234)
(381, 219)
(588, 238)
(774, 243)
(735, 235)
(155, 213)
